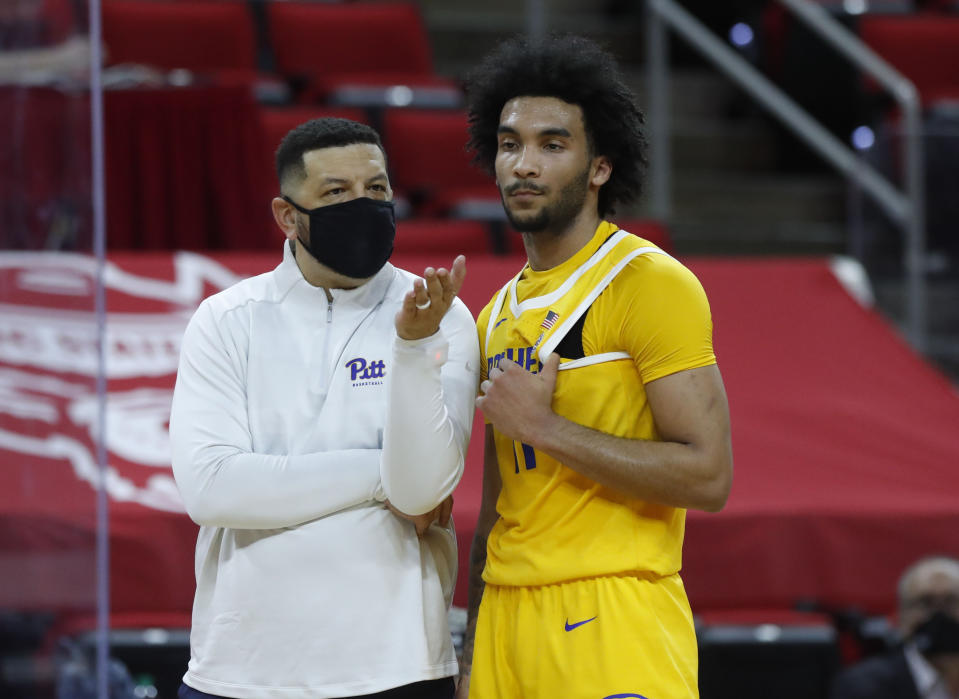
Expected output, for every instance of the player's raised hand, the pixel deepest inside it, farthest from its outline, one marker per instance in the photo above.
(517, 402)
(431, 297)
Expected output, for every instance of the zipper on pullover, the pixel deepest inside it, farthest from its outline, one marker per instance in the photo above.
(322, 380)
(329, 305)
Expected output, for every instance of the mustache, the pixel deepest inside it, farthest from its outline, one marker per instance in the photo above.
(524, 185)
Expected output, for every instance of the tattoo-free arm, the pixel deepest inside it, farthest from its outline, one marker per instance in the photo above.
(690, 467)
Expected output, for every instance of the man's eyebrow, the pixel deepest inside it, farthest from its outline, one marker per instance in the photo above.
(341, 180)
(549, 131)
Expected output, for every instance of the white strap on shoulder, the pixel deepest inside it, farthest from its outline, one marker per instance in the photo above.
(494, 314)
(594, 359)
(549, 299)
(547, 347)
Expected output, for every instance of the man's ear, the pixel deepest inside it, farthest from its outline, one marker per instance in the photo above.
(602, 168)
(285, 216)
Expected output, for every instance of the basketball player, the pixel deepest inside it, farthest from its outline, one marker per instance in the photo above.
(606, 413)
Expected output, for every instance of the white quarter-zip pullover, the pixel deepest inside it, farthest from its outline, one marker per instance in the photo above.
(294, 417)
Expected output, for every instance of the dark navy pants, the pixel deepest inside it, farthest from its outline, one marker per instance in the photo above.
(430, 689)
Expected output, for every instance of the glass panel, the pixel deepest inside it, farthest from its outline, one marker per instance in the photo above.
(49, 340)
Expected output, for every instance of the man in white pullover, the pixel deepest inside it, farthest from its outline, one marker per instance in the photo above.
(319, 426)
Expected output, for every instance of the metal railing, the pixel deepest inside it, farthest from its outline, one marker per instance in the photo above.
(905, 207)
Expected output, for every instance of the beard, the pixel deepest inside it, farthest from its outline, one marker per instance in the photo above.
(555, 217)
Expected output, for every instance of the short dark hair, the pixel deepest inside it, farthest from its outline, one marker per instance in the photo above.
(327, 132)
(575, 70)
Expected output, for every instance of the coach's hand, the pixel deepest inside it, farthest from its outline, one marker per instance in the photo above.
(517, 402)
(431, 297)
(439, 514)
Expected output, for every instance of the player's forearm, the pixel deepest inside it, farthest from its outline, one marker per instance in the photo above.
(668, 473)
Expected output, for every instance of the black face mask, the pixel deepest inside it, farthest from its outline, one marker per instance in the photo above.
(938, 634)
(354, 238)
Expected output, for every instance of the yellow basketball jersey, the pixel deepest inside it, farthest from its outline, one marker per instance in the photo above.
(620, 313)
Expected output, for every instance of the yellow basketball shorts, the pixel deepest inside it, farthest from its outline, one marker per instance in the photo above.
(600, 638)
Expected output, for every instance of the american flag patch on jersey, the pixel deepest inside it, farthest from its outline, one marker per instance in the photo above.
(550, 320)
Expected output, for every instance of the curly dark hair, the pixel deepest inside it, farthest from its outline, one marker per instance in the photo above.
(575, 70)
(327, 132)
